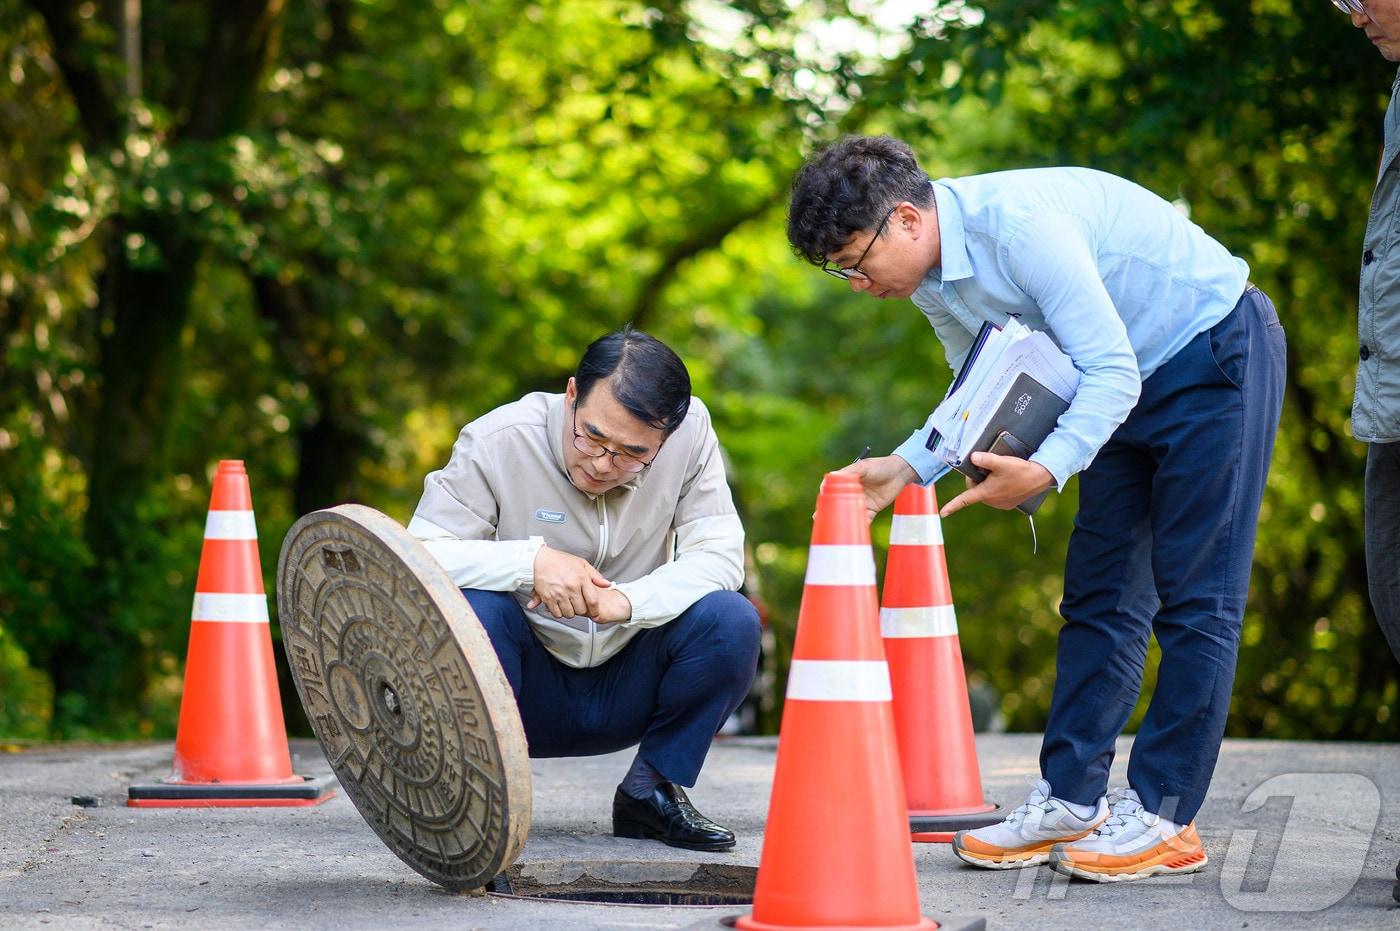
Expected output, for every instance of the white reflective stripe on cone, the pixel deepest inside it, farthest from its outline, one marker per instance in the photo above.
(230, 525)
(840, 565)
(246, 609)
(938, 621)
(839, 680)
(916, 530)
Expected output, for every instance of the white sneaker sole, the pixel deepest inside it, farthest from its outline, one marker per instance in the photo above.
(1157, 869)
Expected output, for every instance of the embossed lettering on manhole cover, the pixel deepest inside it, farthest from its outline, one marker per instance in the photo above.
(405, 695)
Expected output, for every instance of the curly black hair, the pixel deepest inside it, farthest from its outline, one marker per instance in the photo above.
(647, 377)
(846, 187)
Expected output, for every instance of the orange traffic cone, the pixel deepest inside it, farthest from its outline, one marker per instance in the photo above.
(836, 849)
(932, 717)
(231, 748)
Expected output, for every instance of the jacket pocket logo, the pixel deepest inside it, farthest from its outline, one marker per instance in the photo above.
(553, 517)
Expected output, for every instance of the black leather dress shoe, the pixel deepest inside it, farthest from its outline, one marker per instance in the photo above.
(668, 817)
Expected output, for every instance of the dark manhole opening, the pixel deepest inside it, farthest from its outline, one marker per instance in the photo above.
(640, 882)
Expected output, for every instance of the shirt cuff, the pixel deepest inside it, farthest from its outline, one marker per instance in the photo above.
(636, 597)
(1054, 461)
(926, 464)
(528, 552)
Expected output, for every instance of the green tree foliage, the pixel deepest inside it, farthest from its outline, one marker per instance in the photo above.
(321, 237)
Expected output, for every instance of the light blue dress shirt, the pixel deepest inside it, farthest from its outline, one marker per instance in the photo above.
(1118, 277)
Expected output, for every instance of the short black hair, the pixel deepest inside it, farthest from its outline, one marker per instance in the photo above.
(847, 187)
(648, 379)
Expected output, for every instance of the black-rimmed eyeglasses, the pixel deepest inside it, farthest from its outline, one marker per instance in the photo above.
(853, 271)
(624, 461)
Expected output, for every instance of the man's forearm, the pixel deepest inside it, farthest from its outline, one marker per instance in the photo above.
(489, 565)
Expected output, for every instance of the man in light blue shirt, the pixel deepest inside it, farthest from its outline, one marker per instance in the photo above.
(1172, 428)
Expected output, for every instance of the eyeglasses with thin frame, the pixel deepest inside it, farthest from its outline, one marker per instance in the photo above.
(853, 271)
(1350, 6)
(624, 461)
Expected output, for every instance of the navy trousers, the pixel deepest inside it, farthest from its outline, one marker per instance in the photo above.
(1163, 544)
(670, 689)
(1383, 537)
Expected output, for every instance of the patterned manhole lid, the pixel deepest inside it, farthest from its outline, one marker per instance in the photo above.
(405, 694)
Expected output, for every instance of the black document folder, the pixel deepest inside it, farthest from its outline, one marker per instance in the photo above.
(1026, 415)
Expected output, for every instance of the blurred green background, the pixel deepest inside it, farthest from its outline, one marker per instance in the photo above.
(321, 236)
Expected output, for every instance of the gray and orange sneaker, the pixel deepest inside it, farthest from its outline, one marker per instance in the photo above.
(1028, 833)
(1132, 843)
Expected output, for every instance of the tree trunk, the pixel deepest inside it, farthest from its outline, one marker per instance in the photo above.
(101, 676)
(104, 670)
(331, 445)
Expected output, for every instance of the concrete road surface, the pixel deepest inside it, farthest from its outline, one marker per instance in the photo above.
(1298, 834)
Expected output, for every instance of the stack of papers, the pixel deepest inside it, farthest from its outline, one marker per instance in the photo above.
(981, 403)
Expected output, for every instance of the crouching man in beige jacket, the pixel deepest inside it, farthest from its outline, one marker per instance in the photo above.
(596, 539)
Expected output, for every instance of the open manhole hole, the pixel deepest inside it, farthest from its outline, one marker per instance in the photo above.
(640, 882)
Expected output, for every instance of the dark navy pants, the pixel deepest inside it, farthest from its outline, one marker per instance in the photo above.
(1163, 544)
(1383, 537)
(669, 689)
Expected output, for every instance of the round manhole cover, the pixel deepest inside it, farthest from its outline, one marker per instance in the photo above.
(405, 695)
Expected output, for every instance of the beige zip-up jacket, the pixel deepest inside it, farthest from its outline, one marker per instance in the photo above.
(665, 539)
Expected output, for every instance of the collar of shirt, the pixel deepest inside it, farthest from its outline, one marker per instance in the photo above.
(954, 263)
